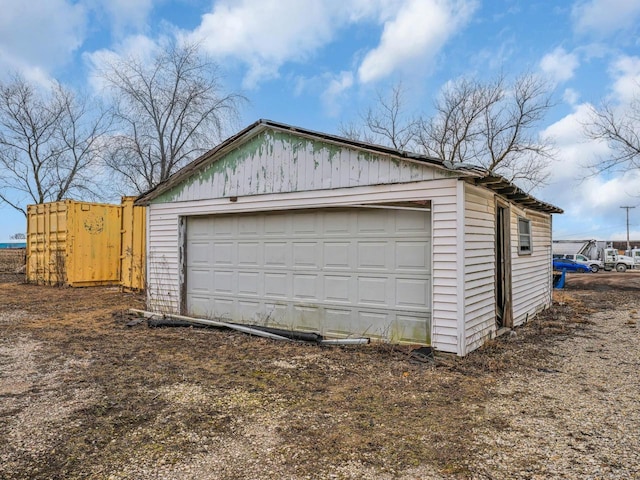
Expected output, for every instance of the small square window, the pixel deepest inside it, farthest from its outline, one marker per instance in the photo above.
(524, 236)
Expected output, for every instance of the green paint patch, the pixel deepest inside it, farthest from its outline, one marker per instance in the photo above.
(225, 166)
(280, 148)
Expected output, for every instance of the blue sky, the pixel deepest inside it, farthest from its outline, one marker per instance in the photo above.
(316, 64)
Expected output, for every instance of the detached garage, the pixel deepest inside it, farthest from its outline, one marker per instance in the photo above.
(288, 228)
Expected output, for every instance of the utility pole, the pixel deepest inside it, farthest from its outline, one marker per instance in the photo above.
(628, 245)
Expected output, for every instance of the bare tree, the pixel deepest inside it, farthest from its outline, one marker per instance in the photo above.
(620, 128)
(492, 125)
(384, 124)
(168, 110)
(49, 144)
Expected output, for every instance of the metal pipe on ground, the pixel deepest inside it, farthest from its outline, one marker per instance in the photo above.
(344, 341)
(259, 331)
(215, 323)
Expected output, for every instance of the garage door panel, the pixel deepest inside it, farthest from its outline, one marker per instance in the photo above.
(247, 225)
(200, 279)
(222, 307)
(249, 311)
(337, 322)
(414, 255)
(373, 255)
(224, 226)
(276, 225)
(249, 283)
(221, 253)
(307, 318)
(199, 227)
(200, 305)
(199, 252)
(373, 290)
(340, 272)
(375, 324)
(411, 292)
(276, 254)
(307, 254)
(306, 287)
(338, 288)
(412, 224)
(223, 281)
(409, 327)
(336, 255)
(277, 314)
(249, 253)
(370, 221)
(276, 285)
(304, 223)
(338, 225)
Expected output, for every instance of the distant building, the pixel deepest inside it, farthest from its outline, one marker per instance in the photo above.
(13, 245)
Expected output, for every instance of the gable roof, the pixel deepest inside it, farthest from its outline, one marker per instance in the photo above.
(496, 183)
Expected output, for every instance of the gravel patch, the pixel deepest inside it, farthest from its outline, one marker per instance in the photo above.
(578, 416)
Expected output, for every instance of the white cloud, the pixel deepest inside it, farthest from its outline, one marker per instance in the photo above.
(570, 96)
(36, 37)
(415, 34)
(267, 33)
(127, 13)
(604, 17)
(626, 73)
(139, 46)
(575, 151)
(335, 91)
(600, 193)
(559, 65)
(591, 201)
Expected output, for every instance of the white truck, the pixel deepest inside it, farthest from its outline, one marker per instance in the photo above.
(594, 265)
(612, 259)
(635, 254)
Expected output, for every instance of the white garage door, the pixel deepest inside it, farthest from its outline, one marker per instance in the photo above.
(338, 272)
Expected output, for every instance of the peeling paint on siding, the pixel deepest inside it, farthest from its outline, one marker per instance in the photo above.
(282, 162)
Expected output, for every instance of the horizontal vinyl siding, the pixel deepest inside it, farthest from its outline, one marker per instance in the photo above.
(163, 239)
(446, 271)
(479, 266)
(162, 261)
(531, 275)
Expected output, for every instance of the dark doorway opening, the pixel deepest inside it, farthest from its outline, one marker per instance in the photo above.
(503, 268)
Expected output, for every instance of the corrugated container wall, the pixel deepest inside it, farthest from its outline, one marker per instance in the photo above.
(132, 247)
(84, 244)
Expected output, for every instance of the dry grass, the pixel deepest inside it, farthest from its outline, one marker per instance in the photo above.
(156, 396)
(124, 402)
(11, 260)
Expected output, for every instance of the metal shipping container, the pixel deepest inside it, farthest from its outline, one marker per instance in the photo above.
(85, 244)
(132, 246)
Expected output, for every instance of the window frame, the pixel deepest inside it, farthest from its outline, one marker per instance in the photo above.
(527, 236)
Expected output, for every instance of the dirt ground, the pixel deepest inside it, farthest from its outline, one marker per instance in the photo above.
(82, 395)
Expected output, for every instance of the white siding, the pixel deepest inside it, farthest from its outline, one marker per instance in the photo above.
(479, 266)
(446, 266)
(531, 277)
(163, 239)
(162, 260)
(276, 162)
